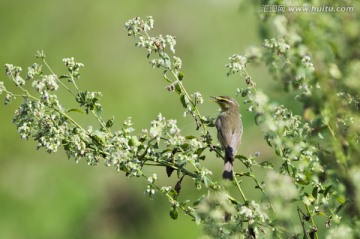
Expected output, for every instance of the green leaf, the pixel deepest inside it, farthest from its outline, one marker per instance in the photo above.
(177, 88)
(184, 203)
(209, 121)
(110, 122)
(174, 213)
(327, 190)
(308, 199)
(166, 58)
(198, 201)
(197, 217)
(181, 164)
(190, 137)
(133, 141)
(184, 101)
(340, 199)
(266, 164)
(337, 210)
(169, 170)
(207, 181)
(64, 77)
(165, 76)
(166, 150)
(75, 110)
(202, 157)
(241, 157)
(173, 193)
(180, 76)
(178, 187)
(185, 146)
(315, 192)
(98, 137)
(321, 213)
(199, 151)
(277, 151)
(258, 121)
(245, 92)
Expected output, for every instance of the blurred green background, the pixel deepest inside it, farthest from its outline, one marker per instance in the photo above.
(47, 196)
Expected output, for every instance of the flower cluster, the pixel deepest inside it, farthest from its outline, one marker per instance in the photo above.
(33, 70)
(47, 83)
(73, 66)
(136, 25)
(277, 45)
(14, 72)
(237, 64)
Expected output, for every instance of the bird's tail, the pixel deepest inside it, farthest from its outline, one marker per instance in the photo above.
(228, 165)
(228, 171)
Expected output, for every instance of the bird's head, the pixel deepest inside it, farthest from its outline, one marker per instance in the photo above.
(226, 102)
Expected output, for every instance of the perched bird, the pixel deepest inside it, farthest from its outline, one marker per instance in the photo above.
(229, 131)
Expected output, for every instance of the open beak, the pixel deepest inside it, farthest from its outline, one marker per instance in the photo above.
(214, 99)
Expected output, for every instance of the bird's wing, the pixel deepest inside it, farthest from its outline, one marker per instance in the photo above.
(228, 136)
(236, 136)
(224, 132)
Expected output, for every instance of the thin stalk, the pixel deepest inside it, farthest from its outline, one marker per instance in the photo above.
(197, 112)
(58, 80)
(22, 88)
(261, 189)
(313, 225)
(171, 199)
(101, 122)
(73, 81)
(240, 190)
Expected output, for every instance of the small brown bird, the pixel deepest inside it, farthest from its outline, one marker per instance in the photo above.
(229, 131)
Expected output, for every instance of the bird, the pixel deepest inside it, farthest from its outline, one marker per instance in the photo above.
(229, 131)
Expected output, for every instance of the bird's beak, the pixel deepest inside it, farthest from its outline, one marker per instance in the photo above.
(214, 99)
